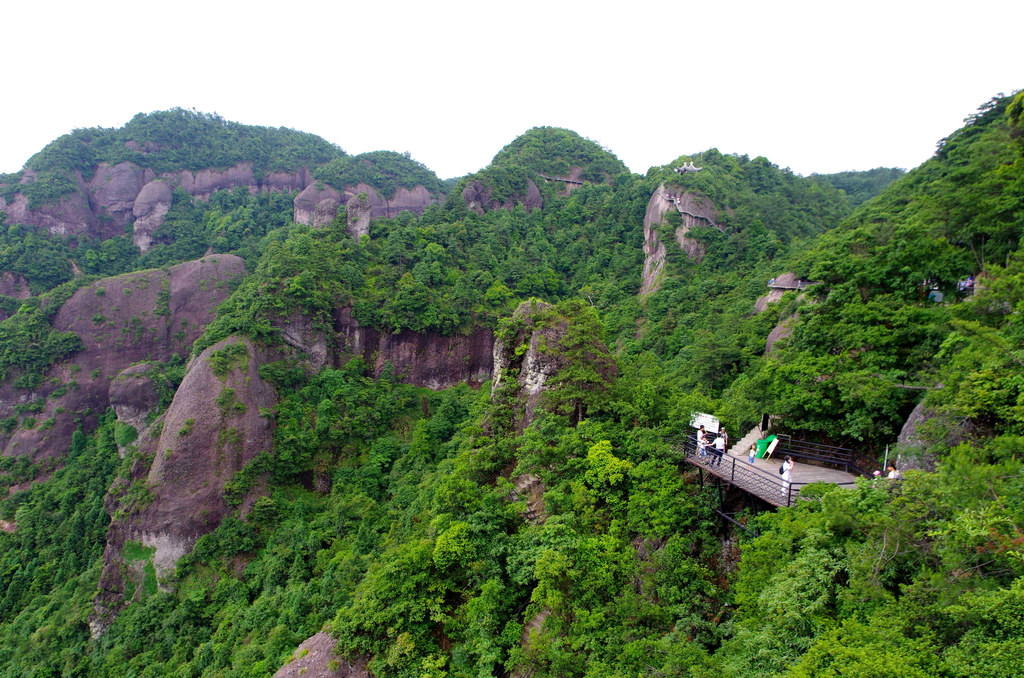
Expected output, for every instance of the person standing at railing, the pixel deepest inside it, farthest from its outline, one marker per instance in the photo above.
(725, 440)
(787, 474)
(751, 453)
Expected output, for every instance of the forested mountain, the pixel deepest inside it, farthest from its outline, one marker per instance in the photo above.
(861, 186)
(270, 409)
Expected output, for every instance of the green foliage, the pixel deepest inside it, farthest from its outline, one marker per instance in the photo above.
(388, 511)
(861, 186)
(28, 342)
(234, 356)
(168, 141)
(384, 171)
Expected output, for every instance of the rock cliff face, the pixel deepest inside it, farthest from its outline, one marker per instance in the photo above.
(694, 210)
(70, 216)
(534, 354)
(784, 330)
(16, 286)
(212, 429)
(148, 315)
(102, 207)
(314, 205)
(773, 295)
(478, 198)
(113, 190)
(133, 395)
(425, 359)
(318, 204)
(150, 207)
(314, 657)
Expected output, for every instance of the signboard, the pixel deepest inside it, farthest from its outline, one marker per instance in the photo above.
(709, 421)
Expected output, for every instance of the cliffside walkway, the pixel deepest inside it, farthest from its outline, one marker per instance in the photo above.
(675, 201)
(762, 478)
(568, 181)
(798, 285)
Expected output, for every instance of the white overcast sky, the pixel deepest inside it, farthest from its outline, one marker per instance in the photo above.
(814, 86)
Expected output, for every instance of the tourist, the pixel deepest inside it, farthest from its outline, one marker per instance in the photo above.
(725, 440)
(787, 474)
(719, 449)
(893, 474)
(751, 453)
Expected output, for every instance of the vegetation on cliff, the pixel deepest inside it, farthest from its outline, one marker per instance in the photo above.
(391, 513)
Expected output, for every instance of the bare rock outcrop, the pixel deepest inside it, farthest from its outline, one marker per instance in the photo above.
(784, 330)
(773, 295)
(694, 210)
(424, 359)
(914, 445)
(150, 209)
(102, 207)
(69, 216)
(319, 204)
(534, 366)
(147, 315)
(308, 208)
(359, 211)
(415, 200)
(315, 658)
(113, 190)
(133, 395)
(14, 285)
(298, 331)
(535, 353)
(478, 198)
(204, 183)
(213, 427)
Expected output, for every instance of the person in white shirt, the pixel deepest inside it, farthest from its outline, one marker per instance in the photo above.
(719, 449)
(787, 474)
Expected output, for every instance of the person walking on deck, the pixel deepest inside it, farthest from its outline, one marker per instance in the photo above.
(719, 450)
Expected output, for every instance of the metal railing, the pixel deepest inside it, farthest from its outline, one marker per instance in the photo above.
(796, 285)
(763, 484)
(849, 460)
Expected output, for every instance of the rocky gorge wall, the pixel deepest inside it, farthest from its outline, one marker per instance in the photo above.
(319, 204)
(117, 195)
(694, 210)
(147, 315)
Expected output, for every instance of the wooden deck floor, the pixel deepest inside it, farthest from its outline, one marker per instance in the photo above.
(762, 478)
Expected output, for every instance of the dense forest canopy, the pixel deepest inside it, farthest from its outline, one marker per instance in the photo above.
(170, 141)
(861, 186)
(428, 531)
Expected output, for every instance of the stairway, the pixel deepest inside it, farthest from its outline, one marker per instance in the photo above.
(740, 448)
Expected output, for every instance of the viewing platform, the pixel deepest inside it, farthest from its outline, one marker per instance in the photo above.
(835, 465)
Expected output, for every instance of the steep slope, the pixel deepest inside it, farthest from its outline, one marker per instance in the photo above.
(146, 316)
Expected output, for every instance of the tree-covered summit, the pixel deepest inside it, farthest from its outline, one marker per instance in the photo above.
(385, 171)
(556, 151)
(183, 139)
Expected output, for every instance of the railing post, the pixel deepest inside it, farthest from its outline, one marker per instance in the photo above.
(732, 476)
